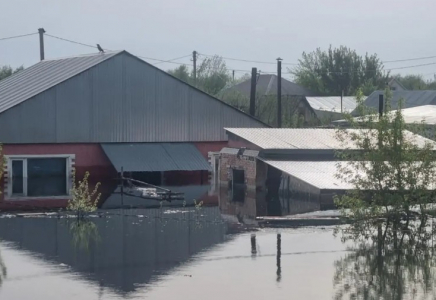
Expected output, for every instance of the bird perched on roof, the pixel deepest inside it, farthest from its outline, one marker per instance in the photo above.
(100, 48)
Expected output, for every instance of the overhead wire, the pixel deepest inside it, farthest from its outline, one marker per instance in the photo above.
(171, 60)
(245, 60)
(17, 36)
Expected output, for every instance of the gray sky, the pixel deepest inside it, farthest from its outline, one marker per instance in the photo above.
(249, 29)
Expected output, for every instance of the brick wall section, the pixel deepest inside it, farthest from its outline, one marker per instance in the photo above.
(230, 161)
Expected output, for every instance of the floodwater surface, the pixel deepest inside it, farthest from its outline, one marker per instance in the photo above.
(189, 253)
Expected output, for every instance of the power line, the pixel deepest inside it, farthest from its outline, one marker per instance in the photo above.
(74, 42)
(171, 60)
(251, 61)
(409, 59)
(17, 36)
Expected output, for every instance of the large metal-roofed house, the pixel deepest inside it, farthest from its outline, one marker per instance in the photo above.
(100, 113)
(289, 164)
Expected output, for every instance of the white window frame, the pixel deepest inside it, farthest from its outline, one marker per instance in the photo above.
(69, 158)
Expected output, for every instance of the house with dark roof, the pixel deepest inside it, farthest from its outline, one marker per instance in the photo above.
(293, 98)
(105, 113)
(409, 98)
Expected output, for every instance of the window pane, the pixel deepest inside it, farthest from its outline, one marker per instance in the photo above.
(17, 177)
(46, 177)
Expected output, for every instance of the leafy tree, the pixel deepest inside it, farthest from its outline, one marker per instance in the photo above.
(341, 69)
(83, 198)
(181, 72)
(393, 175)
(389, 208)
(415, 82)
(212, 75)
(6, 71)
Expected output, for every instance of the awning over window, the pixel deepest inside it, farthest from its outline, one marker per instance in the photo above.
(151, 157)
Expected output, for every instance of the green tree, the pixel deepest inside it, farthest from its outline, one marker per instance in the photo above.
(389, 208)
(6, 71)
(83, 199)
(341, 69)
(392, 177)
(414, 82)
(212, 75)
(182, 73)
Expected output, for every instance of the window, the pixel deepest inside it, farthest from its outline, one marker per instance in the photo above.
(39, 176)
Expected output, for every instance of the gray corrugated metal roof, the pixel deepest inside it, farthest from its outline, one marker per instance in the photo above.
(252, 153)
(333, 104)
(304, 138)
(418, 114)
(320, 174)
(44, 75)
(232, 151)
(411, 98)
(150, 157)
(267, 85)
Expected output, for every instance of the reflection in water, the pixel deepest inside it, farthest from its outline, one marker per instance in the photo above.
(279, 257)
(393, 259)
(83, 233)
(124, 250)
(3, 270)
(253, 245)
(247, 204)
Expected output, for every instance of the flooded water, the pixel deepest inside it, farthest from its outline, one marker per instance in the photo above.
(192, 253)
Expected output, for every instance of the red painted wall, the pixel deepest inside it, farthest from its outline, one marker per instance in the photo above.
(205, 147)
(91, 157)
(88, 157)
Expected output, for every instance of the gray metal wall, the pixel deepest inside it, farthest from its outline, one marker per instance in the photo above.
(120, 100)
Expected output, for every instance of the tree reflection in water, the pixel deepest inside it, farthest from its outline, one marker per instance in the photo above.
(3, 270)
(84, 232)
(390, 259)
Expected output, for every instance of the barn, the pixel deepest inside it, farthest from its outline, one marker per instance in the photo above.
(104, 113)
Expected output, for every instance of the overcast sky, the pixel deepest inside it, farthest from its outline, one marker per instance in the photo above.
(249, 29)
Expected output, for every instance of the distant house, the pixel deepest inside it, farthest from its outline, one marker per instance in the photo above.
(410, 98)
(293, 97)
(395, 85)
(105, 113)
(328, 109)
(289, 164)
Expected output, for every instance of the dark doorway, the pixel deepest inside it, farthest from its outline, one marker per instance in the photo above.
(238, 186)
(154, 178)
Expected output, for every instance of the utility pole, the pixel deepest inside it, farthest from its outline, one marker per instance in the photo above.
(233, 75)
(194, 61)
(41, 42)
(253, 91)
(279, 92)
(380, 105)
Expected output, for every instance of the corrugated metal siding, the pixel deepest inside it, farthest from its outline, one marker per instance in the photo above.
(121, 99)
(150, 157)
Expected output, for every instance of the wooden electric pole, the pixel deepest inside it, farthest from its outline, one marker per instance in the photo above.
(253, 91)
(41, 43)
(279, 92)
(194, 61)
